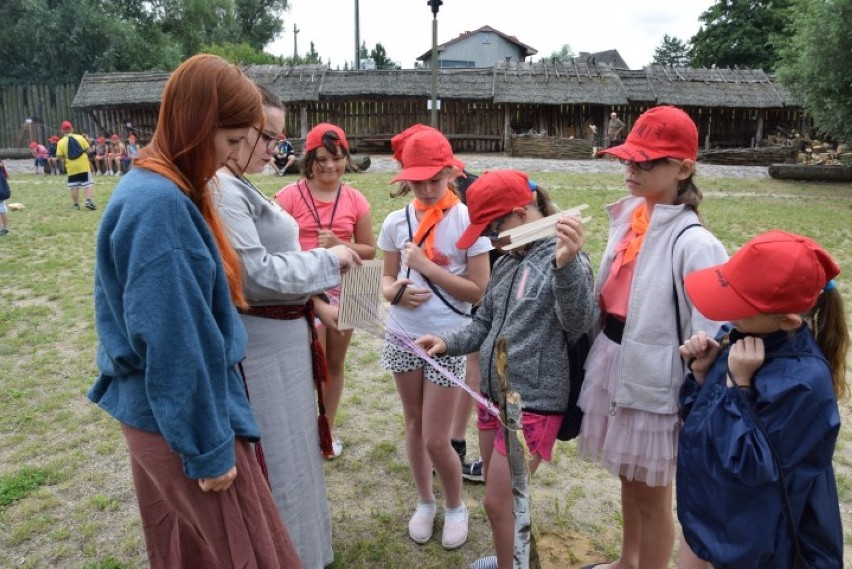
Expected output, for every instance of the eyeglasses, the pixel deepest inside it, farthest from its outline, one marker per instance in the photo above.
(271, 142)
(492, 232)
(645, 166)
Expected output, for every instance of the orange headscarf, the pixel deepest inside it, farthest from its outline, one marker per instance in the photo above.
(431, 216)
(639, 224)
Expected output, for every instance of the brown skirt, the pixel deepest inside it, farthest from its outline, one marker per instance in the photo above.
(185, 527)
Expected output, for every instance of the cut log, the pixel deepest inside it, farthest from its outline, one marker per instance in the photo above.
(762, 156)
(809, 172)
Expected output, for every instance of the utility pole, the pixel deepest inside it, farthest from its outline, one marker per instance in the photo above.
(435, 4)
(357, 38)
(295, 44)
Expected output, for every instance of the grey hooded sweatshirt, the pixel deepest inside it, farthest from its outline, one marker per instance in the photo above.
(540, 310)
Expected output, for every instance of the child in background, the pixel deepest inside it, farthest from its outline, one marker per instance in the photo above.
(285, 155)
(431, 285)
(4, 215)
(762, 394)
(54, 165)
(117, 154)
(540, 298)
(330, 213)
(40, 156)
(634, 371)
(102, 149)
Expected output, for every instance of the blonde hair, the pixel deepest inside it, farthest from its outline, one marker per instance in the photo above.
(403, 187)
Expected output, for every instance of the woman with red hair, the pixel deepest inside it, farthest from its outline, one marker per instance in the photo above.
(166, 285)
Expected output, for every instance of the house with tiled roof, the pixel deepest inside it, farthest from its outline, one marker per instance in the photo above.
(484, 47)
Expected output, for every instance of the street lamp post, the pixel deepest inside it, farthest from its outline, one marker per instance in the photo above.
(435, 4)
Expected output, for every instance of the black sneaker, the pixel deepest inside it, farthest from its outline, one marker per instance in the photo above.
(4, 231)
(472, 471)
(90, 205)
(76, 206)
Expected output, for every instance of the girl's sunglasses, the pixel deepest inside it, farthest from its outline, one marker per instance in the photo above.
(645, 166)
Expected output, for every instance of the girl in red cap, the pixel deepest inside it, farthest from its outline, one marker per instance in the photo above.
(755, 483)
(330, 213)
(101, 155)
(116, 155)
(634, 371)
(40, 156)
(431, 285)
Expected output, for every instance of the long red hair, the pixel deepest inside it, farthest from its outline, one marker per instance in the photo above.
(204, 94)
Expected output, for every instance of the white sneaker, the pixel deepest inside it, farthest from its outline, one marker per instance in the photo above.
(455, 531)
(336, 449)
(421, 524)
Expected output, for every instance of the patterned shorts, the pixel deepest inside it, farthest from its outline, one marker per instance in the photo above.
(396, 359)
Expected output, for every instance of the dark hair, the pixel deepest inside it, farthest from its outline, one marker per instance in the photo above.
(331, 142)
(203, 94)
(269, 98)
(827, 319)
(544, 203)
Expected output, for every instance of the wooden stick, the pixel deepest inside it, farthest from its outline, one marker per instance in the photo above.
(535, 230)
(510, 412)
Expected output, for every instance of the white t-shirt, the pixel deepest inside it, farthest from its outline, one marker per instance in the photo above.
(433, 316)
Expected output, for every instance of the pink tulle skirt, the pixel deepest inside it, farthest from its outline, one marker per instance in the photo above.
(637, 445)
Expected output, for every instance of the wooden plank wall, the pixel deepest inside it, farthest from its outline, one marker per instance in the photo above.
(45, 107)
(139, 120)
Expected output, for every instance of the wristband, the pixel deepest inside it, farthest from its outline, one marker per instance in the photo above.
(398, 296)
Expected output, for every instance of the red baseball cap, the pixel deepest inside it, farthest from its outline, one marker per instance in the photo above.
(114, 137)
(398, 143)
(101, 139)
(774, 273)
(33, 144)
(315, 136)
(661, 132)
(282, 136)
(66, 125)
(490, 197)
(53, 138)
(424, 154)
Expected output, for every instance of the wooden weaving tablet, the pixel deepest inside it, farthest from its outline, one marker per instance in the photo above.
(360, 298)
(535, 230)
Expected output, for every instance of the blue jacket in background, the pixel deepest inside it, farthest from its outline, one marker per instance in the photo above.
(728, 498)
(169, 335)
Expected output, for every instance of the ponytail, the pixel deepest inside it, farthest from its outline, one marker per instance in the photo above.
(544, 203)
(828, 322)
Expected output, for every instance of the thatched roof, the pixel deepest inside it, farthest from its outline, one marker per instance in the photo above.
(557, 84)
(689, 87)
(99, 90)
(513, 83)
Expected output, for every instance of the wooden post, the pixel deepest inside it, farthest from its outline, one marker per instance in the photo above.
(758, 136)
(510, 411)
(507, 129)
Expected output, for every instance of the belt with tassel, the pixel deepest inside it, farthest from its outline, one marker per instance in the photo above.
(320, 368)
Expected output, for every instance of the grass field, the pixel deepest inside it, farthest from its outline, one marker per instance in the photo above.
(66, 497)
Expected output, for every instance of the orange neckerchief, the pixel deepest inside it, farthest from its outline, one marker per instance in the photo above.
(639, 224)
(431, 216)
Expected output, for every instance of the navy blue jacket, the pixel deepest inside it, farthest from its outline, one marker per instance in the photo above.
(728, 498)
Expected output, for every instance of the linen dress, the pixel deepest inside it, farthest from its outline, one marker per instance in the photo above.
(278, 366)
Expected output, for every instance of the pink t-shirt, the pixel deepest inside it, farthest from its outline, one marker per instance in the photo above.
(615, 292)
(312, 214)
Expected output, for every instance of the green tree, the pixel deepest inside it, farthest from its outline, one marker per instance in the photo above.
(672, 51)
(815, 63)
(739, 33)
(564, 55)
(380, 57)
(242, 54)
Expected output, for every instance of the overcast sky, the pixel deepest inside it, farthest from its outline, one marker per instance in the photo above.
(404, 27)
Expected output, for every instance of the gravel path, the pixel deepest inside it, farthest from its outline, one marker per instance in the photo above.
(481, 162)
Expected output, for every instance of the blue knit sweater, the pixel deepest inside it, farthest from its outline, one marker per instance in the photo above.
(170, 337)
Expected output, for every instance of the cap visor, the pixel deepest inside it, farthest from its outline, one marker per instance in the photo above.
(628, 151)
(714, 297)
(470, 235)
(418, 173)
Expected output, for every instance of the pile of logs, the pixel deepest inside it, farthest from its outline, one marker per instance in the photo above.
(760, 156)
(538, 146)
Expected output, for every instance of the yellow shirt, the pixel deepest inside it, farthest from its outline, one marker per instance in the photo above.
(78, 165)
